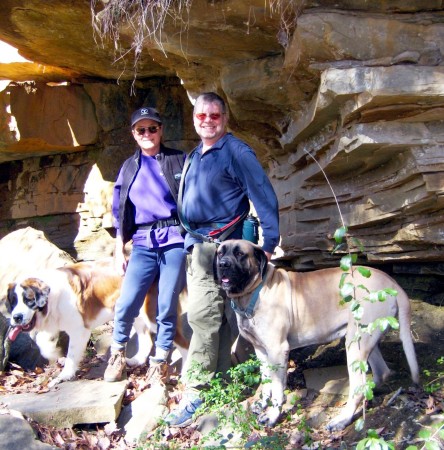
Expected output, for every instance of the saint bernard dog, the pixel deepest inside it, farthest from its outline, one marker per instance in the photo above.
(76, 299)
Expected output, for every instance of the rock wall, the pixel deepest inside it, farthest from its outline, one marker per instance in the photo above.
(342, 101)
(84, 134)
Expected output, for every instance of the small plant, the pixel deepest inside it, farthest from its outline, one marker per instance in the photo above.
(224, 397)
(303, 426)
(432, 438)
(374, 442)
(437, 377)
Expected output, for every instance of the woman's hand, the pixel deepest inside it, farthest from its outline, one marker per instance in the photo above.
(120, 260)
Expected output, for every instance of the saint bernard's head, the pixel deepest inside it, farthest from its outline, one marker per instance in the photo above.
(25, 300)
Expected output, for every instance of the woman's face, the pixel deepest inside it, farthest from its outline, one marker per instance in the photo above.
(148, 134)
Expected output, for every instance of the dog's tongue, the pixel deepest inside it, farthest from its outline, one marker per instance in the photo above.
(225, 280)
(15, 331)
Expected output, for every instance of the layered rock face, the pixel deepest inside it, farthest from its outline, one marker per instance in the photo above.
(342, 101)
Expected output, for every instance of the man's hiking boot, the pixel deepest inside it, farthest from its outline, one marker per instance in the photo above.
(182, 416)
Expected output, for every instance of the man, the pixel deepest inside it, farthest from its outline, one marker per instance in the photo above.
(222, 175)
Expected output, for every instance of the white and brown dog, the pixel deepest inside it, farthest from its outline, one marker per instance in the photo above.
(76, 299)
(278, 311)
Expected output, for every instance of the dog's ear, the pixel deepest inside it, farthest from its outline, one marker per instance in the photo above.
(262, 260)
(11, 297)
(37, 291)
(216, 279)
(42, 295)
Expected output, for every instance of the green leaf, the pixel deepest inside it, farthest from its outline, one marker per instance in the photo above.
(424, 434)
(382, 296)
(368, 390)
(342, 280)
(359, 366)
(432, 445)
(357, 310)
(339, 234)
(359, 426)
(358, 244)
(346, 263)
(347, 289)
(361, 444)
(364, 288)
(371, 433)
(393, 322)
(382, 323)
(392, 292)
(373, 297)
(364, 271)
(337, 248)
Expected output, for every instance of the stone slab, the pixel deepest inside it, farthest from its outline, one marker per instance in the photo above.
(17, 434)
(143, 414)
(71, 403)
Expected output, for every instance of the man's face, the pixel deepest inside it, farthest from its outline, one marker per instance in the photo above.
(209, 121)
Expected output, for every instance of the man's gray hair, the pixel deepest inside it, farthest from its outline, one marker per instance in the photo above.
(211, 97)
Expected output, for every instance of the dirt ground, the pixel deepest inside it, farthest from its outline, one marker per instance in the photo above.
(397, 412)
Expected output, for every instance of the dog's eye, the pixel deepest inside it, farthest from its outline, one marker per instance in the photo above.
(238, 254)
(12, 300)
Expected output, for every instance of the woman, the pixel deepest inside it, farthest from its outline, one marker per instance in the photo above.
(145, 211)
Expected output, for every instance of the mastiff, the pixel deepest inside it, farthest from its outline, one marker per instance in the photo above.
(278, 311)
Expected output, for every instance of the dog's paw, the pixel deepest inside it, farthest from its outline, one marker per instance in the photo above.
(338, 423)
(136, 361)
(269, 417)
(256, 408)
(63, 376)
(54, 382)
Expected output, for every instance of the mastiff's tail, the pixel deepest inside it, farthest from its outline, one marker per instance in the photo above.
(405, 333)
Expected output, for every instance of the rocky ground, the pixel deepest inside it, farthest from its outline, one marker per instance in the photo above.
(397, 413)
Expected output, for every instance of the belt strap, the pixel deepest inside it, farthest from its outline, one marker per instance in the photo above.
(162, 223)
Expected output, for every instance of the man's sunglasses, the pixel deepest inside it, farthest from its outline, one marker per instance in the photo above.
(153, 130)
(203, 116)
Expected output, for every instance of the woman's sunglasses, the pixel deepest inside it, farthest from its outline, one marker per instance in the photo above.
(153, 129)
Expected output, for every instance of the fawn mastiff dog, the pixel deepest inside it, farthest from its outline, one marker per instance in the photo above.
(278, 311)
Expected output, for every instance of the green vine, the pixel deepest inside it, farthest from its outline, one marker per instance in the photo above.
(348, 292)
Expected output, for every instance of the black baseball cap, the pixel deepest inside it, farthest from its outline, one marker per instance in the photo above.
(145, 113)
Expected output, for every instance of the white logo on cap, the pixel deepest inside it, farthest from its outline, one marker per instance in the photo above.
(144, 111)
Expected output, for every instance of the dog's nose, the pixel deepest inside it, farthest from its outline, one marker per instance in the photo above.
(224, 262)
(18, 318)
